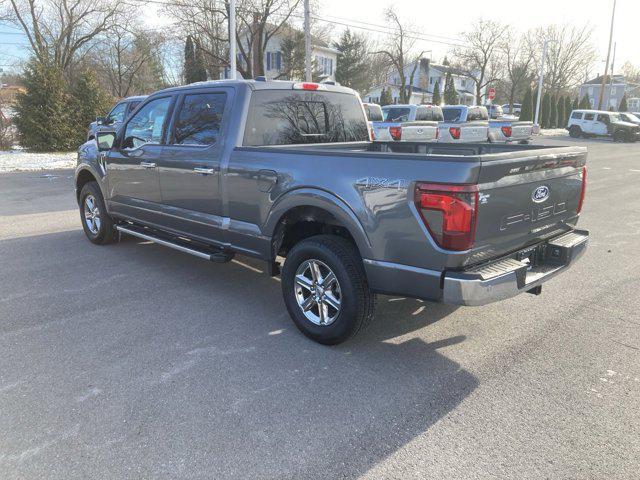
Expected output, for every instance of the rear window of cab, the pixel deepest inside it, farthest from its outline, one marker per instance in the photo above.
(291, 117)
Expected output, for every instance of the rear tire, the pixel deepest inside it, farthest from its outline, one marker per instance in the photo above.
(97, 224)
(305, 292)
(575, 131)
(620, 137)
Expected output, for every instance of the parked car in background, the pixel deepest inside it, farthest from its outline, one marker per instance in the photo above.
(215, 169)
(504, 130)
(599, 123)
(517, 108)
(116, 116)
(408, 123)
(494, 111)
(629, 117)
(463, 124)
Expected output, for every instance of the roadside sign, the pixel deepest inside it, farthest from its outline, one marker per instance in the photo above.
(492, 93)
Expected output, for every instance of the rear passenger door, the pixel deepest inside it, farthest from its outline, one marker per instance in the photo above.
(189, 170)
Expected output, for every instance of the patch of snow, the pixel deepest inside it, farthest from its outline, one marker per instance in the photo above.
(22, 161)
(554, 132)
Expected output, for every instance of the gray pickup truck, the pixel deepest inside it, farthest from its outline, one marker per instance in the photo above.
(286, 172)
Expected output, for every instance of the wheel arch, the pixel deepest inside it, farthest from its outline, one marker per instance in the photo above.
(318, 207)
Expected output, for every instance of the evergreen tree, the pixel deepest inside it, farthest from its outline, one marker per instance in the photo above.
(450, 93)
(560, 123)
(194, 69)
(623, 104)
(437, 98)
(88, 100)
(526, 113)
(575, 104)
(385, 97)
(352, 69)
(567, 109)
(585, 103)
(545, 111)
(446, 61)
(553, 112)
(42, 112)
(200, 67)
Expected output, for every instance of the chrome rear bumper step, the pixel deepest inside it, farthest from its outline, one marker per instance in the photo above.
(184, 246)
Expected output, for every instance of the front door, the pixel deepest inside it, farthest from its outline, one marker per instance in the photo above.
(132, 166)
(190, 167)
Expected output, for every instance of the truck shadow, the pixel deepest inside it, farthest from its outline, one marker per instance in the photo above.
(263, 401)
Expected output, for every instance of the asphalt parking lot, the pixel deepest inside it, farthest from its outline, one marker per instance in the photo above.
(136, 361)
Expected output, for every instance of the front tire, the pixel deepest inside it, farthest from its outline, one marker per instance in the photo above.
(97, 224)
(325, 289)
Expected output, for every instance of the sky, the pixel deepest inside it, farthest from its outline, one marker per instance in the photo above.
(443, 22)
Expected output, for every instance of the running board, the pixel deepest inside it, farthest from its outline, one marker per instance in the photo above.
(182, 246)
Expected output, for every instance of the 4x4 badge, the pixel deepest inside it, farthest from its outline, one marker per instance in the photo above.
(540, 194)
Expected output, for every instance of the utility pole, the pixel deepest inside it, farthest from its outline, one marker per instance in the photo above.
(232, 38)
(307, 42)
(540, 79)
(613, 61)
(606, 63)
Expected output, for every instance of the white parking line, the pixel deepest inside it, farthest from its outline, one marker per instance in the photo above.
(606, 168)
(634, 170)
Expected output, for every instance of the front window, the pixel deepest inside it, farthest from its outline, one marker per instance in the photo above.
(117, 113)
(147, 125)
(285, 117)
(396, 114)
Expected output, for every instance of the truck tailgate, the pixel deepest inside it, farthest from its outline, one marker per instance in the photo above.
(524, 199)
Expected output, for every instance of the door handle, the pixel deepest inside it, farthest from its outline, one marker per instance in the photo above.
(147, 164)
(203, 170)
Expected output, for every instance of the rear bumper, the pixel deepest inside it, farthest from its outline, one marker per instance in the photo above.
(509, 277)
(492, 282)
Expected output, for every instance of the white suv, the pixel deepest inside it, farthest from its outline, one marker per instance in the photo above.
(598, 123)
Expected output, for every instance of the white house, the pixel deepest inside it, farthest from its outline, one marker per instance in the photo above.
(325, 58)
(424, 81)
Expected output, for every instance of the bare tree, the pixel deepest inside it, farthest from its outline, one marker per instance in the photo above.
(518, 53)
(257, 22)
(399, 52)
(570, 54)
(125, 55)
(59, 31)
(479, 58)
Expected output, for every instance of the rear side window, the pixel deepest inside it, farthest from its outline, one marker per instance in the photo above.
(198, 121)
(589, 116)
(576, 115)
(290, 117)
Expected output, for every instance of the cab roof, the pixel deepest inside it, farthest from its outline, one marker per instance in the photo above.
(257, 85)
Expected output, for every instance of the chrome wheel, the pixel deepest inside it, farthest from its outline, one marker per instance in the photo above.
(92, 214)
(317, 292)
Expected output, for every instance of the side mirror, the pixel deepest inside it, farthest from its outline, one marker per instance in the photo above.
(101, 120)
(105, 140)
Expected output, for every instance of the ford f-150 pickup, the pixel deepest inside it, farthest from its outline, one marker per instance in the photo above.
(286, 172)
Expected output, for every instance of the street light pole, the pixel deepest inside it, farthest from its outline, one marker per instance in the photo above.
(232, 38)
(606, 63)
(307, 42)
(540, 79)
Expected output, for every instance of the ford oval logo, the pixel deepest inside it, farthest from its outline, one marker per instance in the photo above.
(540, 194)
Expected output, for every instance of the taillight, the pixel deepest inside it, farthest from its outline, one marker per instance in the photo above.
(455, 132)
(372, 133)
(396, 133)
(437, 133)
(449, 212)
(583, 188)
(506, 131)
